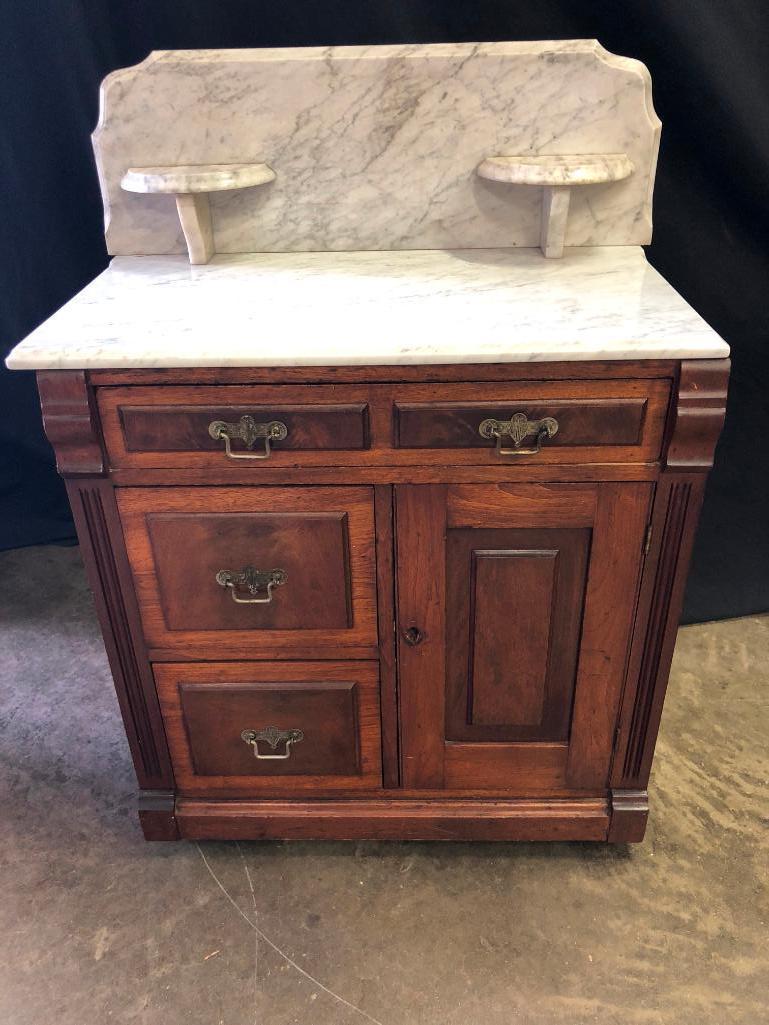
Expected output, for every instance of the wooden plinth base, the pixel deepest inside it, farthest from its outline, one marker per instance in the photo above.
(576, 819)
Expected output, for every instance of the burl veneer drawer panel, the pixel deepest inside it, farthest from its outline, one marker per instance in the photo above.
(597, 421)
(240, 425)
(247, 572)
(365, 425)
(242, 728)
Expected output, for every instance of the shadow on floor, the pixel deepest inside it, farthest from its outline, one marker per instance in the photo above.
(97, 926)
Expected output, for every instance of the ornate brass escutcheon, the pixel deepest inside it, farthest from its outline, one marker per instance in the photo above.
(258, 584)
(248, 431)
(518, 428)
(272, 736)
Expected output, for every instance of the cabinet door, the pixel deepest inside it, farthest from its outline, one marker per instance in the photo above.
(515, 607)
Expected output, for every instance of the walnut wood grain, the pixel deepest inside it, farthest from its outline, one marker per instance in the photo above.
(629, 815)
(70, 421)
(698, 414)
(420, 524)
(206, 707)
(325, 711)
(437, 474)
(179, 428)
(327, 603)
(695, 423)
(503, 505)
(676, 509)
(519, 768)
(613, 580)
(414, 776)
(310, 548)
(581, 422)
(383, 819)
(101, 545)
(246, 649)
(608, 421)
(388, 669)
(571, 370)
(426, 519)
(157, 816)
(514, 601)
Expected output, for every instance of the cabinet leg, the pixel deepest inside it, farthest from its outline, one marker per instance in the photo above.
(629, 812)
(156, 815)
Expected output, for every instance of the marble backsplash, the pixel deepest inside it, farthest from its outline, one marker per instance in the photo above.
(375, 148)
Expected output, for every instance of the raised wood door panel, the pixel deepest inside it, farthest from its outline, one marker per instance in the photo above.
(320, 540)
(334, 706)
(523, 596)
(514, 603)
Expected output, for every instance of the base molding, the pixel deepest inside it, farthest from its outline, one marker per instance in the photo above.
(629, 814)
(384, 819)
(157, 815)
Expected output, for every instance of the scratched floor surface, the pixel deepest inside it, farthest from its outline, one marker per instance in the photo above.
(98, 927)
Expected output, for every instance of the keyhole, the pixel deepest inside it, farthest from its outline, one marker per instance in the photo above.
(413, 636)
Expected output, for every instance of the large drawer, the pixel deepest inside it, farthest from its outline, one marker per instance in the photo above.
(243, 728)
(253, 572)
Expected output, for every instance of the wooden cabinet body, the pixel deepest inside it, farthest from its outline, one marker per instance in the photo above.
(385, 623)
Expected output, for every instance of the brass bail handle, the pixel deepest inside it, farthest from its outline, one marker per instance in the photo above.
(272, 736)
(518, 428)
(249, 432)
(258, 584)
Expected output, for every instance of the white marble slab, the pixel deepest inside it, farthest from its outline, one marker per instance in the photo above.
(376, 147)
(409, 307)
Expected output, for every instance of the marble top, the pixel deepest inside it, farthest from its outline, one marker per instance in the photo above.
(368, 308)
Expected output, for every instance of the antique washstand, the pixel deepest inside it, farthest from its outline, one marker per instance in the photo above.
(384, 442)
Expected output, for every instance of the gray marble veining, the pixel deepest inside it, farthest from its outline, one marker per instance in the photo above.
(377, 147)
(305, 309)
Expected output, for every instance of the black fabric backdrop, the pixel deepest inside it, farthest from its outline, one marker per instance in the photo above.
(708, 60)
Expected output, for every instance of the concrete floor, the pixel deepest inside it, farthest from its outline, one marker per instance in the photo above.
(98, 927)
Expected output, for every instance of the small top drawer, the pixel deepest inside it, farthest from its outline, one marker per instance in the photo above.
(180, 426)
(554, 422)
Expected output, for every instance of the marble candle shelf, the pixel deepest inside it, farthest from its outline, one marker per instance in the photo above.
(191, 185)
(556, 174)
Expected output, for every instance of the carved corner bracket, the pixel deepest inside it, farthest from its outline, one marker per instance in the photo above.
(71, 422)
(698, 414)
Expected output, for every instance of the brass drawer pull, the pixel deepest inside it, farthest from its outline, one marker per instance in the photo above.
(273, 736)
(248, 431)
(518, 428)
(257, 582)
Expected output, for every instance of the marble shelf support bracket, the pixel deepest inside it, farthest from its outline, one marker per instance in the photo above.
(555, 214)
(191, 185)
(194, 212)
(556, 175)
